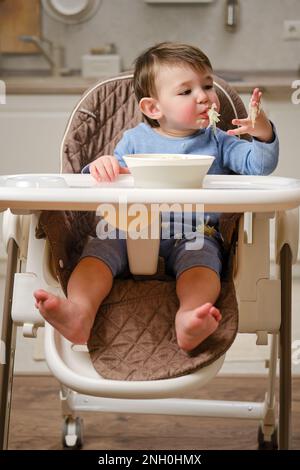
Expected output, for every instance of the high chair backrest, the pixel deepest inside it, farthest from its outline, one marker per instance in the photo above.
(109, 108)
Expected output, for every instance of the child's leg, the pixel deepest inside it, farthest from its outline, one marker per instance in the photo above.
(197, 289)
(89, 284)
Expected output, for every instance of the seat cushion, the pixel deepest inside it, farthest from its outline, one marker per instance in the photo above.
(133, 337)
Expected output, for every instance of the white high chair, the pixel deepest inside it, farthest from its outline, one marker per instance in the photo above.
(264, 308)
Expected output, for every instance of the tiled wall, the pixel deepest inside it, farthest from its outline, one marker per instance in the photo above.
(134, 25)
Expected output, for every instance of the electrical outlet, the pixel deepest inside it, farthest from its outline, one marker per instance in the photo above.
(291, 29)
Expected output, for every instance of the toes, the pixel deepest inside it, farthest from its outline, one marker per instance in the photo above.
(215, 313)
(207, 305)
(204, 310)
(51, 303)
(41, 295)
(44, 301)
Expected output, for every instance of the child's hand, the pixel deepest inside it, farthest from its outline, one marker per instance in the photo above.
(262, 129)
(106, 168)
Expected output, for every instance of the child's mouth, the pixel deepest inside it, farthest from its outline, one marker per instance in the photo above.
(202, 118)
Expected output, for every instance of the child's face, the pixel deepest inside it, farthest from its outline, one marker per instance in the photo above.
(184, 97)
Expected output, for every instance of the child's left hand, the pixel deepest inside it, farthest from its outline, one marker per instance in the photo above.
(262, 129)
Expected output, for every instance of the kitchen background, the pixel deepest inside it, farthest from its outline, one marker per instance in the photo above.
(132, 25)
(256, 52)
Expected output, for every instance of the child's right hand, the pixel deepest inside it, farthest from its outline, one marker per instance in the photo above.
(106, 168)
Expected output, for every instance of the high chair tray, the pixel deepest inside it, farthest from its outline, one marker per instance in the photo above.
(224, 193)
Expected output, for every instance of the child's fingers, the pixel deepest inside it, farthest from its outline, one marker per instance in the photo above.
(238, 131)
(256, 97)
(255, 103)
(106, 172)
(240, 122)
(109, 169)
(94, 173)
(99, 173)
(124, 170)
(255, 93)
(119, 169)
(115, 167)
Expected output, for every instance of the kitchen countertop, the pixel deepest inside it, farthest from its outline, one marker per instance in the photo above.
(40, 83)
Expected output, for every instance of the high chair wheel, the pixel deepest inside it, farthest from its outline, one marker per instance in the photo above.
(72, 433)
(267, 445)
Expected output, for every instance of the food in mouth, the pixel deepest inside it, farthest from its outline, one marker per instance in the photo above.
(213, 117)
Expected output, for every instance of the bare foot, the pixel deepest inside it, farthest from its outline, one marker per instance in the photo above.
(194, 326)
(65, 316)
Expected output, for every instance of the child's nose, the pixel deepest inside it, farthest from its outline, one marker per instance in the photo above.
(202, 97)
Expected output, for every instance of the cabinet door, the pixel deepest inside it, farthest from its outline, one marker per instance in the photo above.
(31, 130)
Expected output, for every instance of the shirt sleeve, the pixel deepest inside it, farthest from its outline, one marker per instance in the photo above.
(123, 148)
(250, 158)
(86, 169)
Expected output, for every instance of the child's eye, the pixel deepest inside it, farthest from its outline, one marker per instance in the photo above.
(208, 87)
(186, 92)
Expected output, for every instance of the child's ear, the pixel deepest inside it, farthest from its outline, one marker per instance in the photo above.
(150, 107)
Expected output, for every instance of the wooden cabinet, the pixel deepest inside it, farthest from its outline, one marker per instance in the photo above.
(17, 18)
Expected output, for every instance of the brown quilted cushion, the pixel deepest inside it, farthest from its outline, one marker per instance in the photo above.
(133, 337)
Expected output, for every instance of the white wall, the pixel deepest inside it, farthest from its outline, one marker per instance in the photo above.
(134, 25)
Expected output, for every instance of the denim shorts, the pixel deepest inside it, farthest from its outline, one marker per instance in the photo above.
(113, 253)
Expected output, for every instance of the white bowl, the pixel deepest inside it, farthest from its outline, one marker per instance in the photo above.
(168, 170)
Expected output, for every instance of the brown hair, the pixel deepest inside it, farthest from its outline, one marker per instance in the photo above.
(165, 53)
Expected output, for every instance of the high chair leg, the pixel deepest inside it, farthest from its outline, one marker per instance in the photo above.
(267, 431)
(72, 432)
(7, 345)
(285, 388)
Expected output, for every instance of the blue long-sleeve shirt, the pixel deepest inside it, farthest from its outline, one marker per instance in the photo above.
(232, 155)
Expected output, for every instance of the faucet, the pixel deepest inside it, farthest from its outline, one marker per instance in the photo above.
(53, 56)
